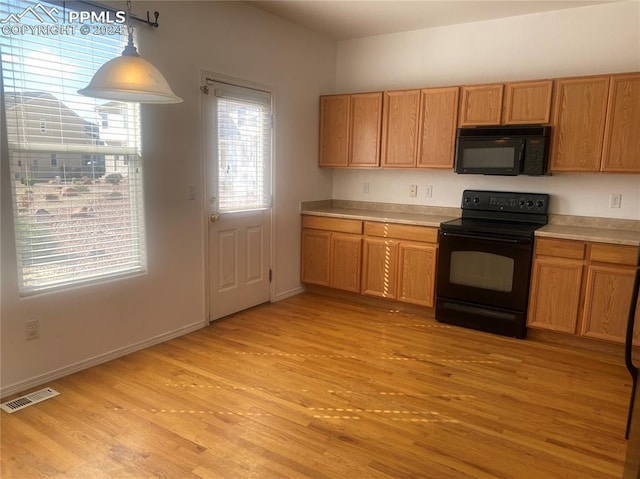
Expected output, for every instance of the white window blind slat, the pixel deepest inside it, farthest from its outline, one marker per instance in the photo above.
(244, 148)
(75, 163)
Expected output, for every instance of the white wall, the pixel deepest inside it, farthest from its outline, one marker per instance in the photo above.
(86, 325)
(581, 41)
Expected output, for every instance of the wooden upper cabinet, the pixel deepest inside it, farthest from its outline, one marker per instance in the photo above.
(527, 103)
(481, 105)
(366, 121)
(438, 121)
(400, 128)
(621, 151)
(579, 114)
(350, 130)
(515, 103)
(334, 130)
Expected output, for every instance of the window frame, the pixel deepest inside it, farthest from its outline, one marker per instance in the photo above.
(26, 154)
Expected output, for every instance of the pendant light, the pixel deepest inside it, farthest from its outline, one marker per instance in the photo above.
(130, 78)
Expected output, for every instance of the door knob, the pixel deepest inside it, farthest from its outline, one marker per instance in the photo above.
(214, 217)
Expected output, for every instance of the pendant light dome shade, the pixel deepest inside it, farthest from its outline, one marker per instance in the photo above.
(130, 78)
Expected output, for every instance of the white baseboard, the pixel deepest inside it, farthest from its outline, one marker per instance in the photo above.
(288, 294)
(102, 358)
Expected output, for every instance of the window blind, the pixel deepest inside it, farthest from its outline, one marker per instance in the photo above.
(243, 148)
(75, 163)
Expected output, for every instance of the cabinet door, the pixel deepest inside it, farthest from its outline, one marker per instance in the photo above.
(400, 128)
(366, 122)
(622, 135)
(527, 103)
(439, 117)
(334, 130)
(554, 300)
(607, 302)
(315, 257)
(379, 267)
(346, 251)
(417, 273)
(578, 124)
(481, 105)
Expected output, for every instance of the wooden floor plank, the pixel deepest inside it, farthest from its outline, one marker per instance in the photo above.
(318, 387)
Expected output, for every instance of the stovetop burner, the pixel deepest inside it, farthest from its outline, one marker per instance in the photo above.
(491, 227)
(501, 213)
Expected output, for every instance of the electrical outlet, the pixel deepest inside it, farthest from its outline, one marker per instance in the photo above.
(614, 200)
(428, 191)
(32, 329)
(413, 191)
(365, 188)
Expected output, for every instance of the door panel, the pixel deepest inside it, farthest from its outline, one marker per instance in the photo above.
(237, 124)
(240, 276)
(254, 254)
(227, 248)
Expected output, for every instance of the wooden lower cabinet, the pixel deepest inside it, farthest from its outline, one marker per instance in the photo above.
(396, 266)
(608, 290)
(417, 275)
(315, 257)
(583, 288)
(379, 267)
(345, 257)
(331, 252)
(556, 284)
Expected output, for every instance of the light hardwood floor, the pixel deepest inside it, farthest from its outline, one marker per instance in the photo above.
(315, 387)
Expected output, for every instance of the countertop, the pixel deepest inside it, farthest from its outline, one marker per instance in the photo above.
(419, 219)
(584, 233)
(580, 228)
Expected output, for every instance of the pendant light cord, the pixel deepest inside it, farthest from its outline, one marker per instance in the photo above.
(130, 50)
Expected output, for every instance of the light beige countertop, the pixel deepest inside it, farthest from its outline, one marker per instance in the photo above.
(387, 212)
(581, 228)
(583, 233)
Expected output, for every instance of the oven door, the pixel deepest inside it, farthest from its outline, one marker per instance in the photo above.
(484, 269)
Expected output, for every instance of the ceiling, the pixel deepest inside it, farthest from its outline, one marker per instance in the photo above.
(343, 20)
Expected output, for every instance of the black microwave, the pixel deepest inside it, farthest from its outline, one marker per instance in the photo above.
(502, 150)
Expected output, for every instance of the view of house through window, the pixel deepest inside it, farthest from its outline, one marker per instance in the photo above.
(75, 166)
(244, 148)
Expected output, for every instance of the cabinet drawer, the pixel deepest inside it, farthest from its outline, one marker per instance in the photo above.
(332, 224)
(560, 248)
(403, 232)
(618, 254)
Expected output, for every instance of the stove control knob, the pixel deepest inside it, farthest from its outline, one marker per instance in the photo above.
(521, 202)
(530, 203)
(467, 199)
(476, 200)
(539, 203)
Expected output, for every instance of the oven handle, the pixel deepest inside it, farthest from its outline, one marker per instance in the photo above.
(486, 237)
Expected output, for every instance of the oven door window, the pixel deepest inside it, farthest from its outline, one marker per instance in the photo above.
(488, 271)
(482, 270)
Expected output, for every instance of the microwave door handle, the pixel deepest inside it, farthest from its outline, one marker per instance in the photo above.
(523, 145)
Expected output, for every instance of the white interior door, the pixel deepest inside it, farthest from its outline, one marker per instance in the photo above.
(238, 142)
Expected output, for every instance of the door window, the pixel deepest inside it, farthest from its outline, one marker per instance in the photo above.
(243, 117)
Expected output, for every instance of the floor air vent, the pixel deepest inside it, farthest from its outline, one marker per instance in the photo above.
(28, 400)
